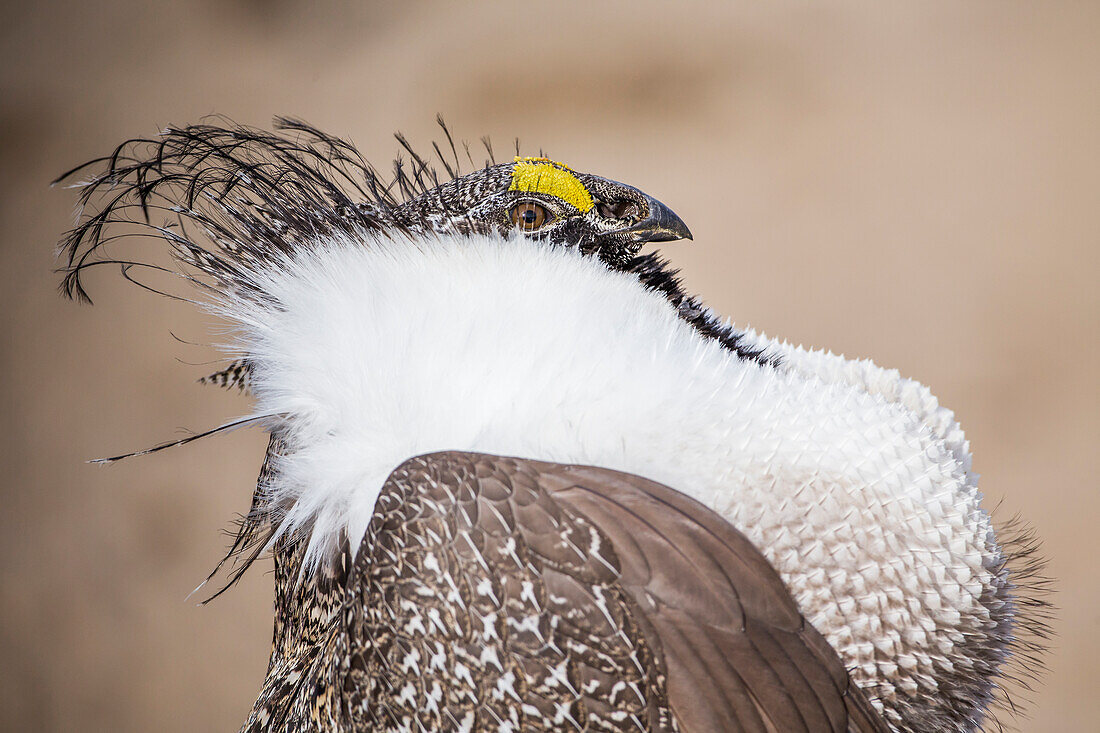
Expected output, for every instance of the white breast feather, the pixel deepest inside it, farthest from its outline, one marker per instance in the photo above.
(851, 480)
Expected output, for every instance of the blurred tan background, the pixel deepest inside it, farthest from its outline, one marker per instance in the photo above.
(918, 183)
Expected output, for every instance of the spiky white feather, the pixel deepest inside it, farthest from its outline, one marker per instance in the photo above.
(852, 481)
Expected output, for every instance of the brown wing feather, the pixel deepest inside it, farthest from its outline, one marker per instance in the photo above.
(495, 593)
(721, 611)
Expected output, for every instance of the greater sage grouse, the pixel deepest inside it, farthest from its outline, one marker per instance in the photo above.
(519, 480)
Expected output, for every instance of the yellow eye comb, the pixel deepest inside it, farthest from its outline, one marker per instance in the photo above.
(542, 175)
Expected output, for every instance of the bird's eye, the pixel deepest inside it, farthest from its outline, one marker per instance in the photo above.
(529, 216)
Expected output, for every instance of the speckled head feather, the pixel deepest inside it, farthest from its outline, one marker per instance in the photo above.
(256, 196)
(226, 199)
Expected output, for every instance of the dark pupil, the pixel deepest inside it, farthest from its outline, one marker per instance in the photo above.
(529, 216)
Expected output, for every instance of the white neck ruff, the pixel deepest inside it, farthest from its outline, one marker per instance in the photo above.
(851, 480)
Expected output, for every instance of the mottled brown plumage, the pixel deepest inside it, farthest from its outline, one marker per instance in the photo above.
(505, 594)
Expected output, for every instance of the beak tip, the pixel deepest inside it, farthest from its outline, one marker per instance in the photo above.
(666, 223)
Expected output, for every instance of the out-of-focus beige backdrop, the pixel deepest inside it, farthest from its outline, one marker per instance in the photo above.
(918, 183)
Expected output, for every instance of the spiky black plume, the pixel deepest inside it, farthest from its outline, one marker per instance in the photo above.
(251, 194)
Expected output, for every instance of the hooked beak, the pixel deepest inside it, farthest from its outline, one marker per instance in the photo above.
(662, 225)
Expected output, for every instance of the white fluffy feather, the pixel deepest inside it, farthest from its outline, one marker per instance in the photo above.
(852, 481)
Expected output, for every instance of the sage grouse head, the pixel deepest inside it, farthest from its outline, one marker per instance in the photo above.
(518, 479)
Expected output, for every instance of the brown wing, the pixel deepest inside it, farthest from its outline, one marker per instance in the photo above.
(505, 594)
(739, 654)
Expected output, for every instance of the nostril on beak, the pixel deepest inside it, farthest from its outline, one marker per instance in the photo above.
(618, 210)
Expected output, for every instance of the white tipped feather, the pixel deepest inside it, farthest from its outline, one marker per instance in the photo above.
(852, 481)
